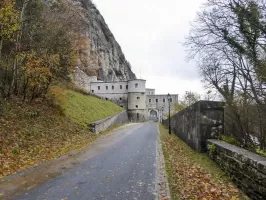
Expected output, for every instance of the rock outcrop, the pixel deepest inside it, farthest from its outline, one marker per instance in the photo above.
(99, 53)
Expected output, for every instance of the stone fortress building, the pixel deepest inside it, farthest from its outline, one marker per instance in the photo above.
(141, 103)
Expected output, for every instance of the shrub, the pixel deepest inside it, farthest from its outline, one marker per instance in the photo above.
(211, 150)
(229, 139)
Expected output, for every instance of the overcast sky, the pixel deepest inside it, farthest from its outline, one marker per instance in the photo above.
(151, 33)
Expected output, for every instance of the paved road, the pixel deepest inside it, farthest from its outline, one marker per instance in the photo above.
(124, 170)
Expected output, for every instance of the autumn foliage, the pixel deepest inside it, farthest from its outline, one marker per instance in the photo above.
(37, 46)
(192, 175)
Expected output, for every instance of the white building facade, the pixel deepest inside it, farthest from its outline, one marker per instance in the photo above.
(141, 103)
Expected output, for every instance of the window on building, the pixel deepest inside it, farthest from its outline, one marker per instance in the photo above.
(137, 106)
(156, 100)
(126, 86)
(106, 99)
(113, 87)
(120, 99)
(163, 100)
(92, 91)
(121, 87)
(150, 100)
(136, 85)
(106, 87)
(138, 97)
(99, 87)
(171, 100)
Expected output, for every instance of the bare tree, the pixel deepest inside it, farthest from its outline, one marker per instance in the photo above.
(228, 40)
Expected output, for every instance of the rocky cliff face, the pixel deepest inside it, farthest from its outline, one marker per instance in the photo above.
(99, 53)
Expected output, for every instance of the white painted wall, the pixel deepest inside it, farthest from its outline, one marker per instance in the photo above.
(137, 86)
(150, 91)
(161, 103)
(109, 88)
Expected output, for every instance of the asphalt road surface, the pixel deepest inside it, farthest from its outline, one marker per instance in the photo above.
(126, 169)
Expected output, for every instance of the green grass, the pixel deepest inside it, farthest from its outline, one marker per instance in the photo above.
(81, 108)
(261, 152)
(189, 171)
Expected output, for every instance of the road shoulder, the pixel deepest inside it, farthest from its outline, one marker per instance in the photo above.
(162, 186)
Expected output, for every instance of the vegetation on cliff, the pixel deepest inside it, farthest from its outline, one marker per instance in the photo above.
(36, 46)
(42, 115)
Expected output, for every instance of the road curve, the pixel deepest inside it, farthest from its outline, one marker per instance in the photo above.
(124, 170)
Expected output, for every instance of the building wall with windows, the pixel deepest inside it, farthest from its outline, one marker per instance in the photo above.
(140, 102)
(137, 110)
(150, 91)
(160, 104)
(117, 92)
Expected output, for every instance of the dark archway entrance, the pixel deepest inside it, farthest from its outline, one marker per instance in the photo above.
(153, 115)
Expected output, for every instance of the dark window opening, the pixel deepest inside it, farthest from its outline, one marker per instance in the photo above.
(106, 87)
(126, 86)
(136, 85)
(150, 100)
(163, 100)
(156, 100)
(99, 87)
(171, 100)
(137, 106)
(113, 87)
(121, 87)
(120, 98)
(138, 97)
(92, 91)
(106, 99)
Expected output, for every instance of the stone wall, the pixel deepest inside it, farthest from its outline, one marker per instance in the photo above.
(197, 123)
(108, 122)
(247, 169)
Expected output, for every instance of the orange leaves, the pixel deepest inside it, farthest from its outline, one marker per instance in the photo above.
(191, 174)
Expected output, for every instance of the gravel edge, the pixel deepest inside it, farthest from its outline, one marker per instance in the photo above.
(162, 186)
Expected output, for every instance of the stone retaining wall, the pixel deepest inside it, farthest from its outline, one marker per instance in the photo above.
(108, 122)
(247, 169)
(197, 123)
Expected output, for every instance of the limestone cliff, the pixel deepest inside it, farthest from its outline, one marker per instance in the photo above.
(99, 53)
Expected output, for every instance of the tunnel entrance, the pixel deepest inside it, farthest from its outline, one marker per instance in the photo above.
(154, 115)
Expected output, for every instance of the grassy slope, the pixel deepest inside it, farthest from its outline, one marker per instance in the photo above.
(83, 108)
(38, 132)
(193, 175)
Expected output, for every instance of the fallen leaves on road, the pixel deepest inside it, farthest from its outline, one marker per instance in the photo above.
(192, 175)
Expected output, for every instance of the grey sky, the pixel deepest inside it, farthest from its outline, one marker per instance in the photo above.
(151, 33)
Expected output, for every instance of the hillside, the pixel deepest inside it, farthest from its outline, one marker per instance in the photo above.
(40, 131)
(83, 109)
(99, 52)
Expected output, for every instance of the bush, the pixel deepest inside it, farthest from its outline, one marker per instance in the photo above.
(229, 139)
(261, 152)
(211, 150)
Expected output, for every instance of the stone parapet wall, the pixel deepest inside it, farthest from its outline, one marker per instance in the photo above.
(197, 123)
(247, 169)
(108, 122)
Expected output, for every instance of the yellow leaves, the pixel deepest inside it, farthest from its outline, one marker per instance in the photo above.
(38, 70)
(9, 19)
